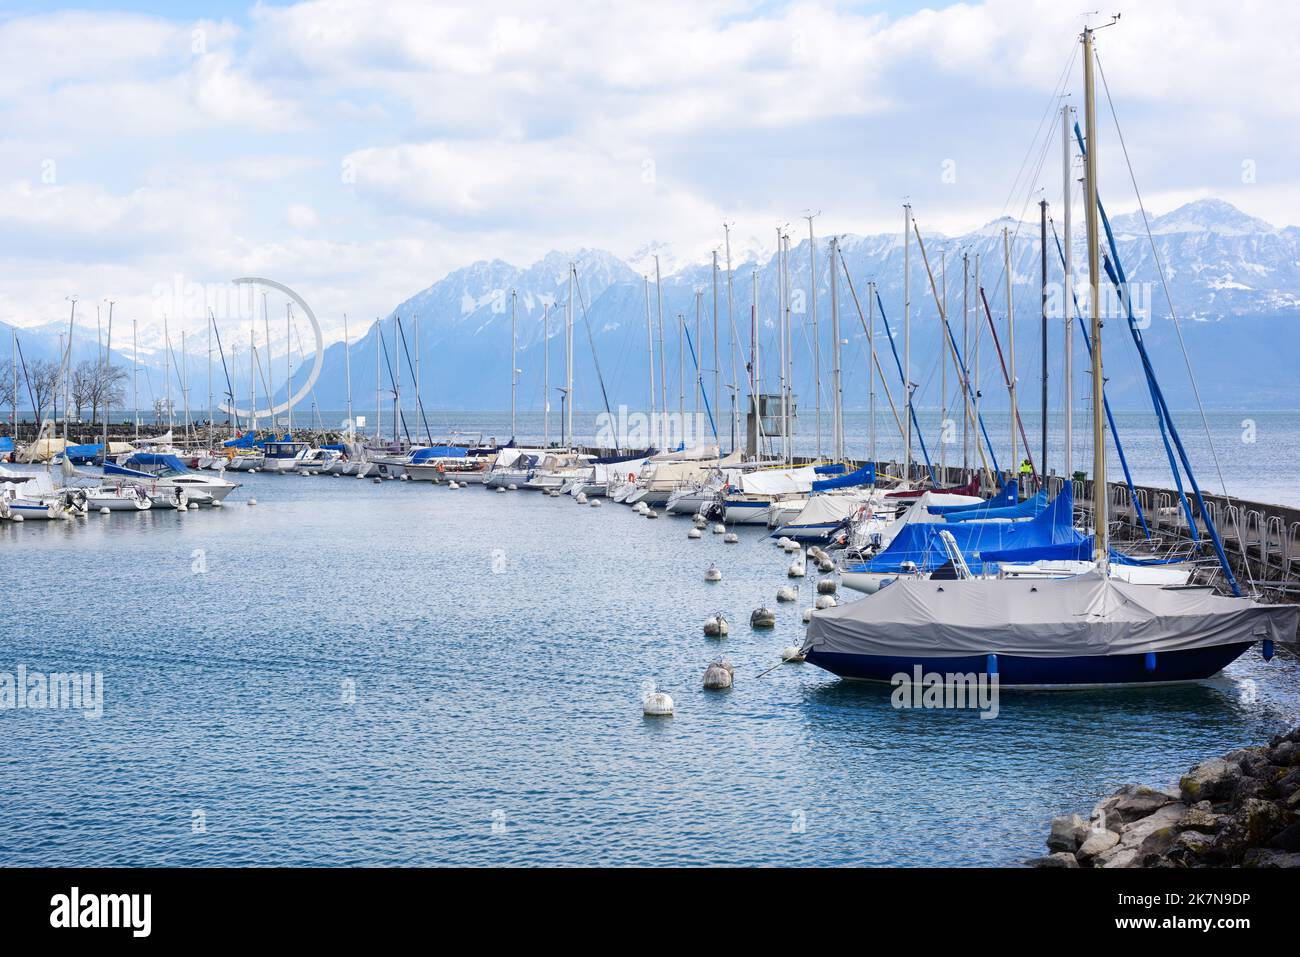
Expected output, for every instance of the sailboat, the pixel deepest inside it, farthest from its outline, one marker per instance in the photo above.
(1086, 630)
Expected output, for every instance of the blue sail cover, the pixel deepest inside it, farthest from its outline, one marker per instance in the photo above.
(1080, 551)
(6, 444)
(919, 542)
(1008, 496)
(146, 463)
(834, 468)
(1027, 509)
(245, 441)
(866, 475)
(438, 452)
(82, 454)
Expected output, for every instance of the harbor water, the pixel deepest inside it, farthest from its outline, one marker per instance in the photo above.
(352, 673)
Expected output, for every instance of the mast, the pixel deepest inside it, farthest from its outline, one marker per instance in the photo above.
(717, 359)
(13, 361)
(514, 372)
(817, 342)
(837, 405)
(397, 385)
(270, 366)
(106, 387)
(135, 373)
(1042, 244)
(1011, 350)
(288, 367)
(974, 362)
(1067, 297)
(210, 413)
(755, 370)
(379, 405)
(663, 376)
(1099, 503)
(780, 331)
(650, 345)
(907, 337)
(731, 333)
(419, 405)
(568, 361)
(681, 371)
(943, 368)
(167, 370)
(699, 352)
(965, 351)
(871, 368)
(546, 375)
(185, 383)
(347, 373)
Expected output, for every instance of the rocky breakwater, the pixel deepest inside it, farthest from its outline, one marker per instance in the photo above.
(1240, 810)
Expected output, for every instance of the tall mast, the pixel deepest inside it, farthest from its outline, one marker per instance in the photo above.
(270, 366)
(837, 406)
(907, 337)
(546, 375)
(1099, 503)
(13, 361)
(568, 361)
(252, 376)
(419, 405)
(699, 353)
(379, 405)
(167, 370)
(717, 359)
(185, 383)
(1067, 297)
(780, 331)
(755, 367)
(1042, 246)
(650, 346)
(1011, 348)
(965, 351)
(871, 369)
(731, 334)
(943, 367)
(817, 342)
(106, 389)
(663, 376)
(973, 363)
(347, 372)
(397, 385)
(210, 413)
(681, 371)
(514, 372)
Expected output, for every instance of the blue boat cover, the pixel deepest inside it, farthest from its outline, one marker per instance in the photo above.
(1027, 509)
(6, 444)
(1008, 496)
(145, 464)
(1080, 551)
(835, 468)
(438, 452)
(919, 542)
(245, 441)
(81, 454)
(866, 475)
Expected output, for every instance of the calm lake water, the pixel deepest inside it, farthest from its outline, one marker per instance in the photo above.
(496, 645)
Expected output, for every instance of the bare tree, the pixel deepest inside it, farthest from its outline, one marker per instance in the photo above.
(43, 380)
(82, 384)
(108, 389)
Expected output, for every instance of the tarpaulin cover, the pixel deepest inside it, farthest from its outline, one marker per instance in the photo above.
(834, 468)
(778, 481)
(1045, 618)
(1027, 509)
(438, 452)
(1080, 551)
(866, 475)
(81, 454)
(245, 441)
(1008, 496)
(6, 444)
(919, 542)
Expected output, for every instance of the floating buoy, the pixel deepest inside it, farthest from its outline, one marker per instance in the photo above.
(554, 493)
(582, 498)
(791, 547)
(651, 513)
(719, 529)
(716, 627)
(252, 471)
(731, 538)
(16, 518)
(786, 593)
(700, 521)
(791, 654)
(807, 615)
(501, 489)
(252, 501)
(694, 533)
(641, 507)
(656, 703)
(105, 510)
(594, 503)
(513, 487)
(796, 569)
(718, 676)
(762, 618)
(216, 503)
(826, 566)
(377, 480)
(449, 484)
(827, 586)
(824, 601)
(711, 574)
(404, 477)
(783, 541)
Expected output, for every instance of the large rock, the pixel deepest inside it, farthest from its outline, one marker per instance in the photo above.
(1068, 832)
(1287, 839)
(1261, 820)
(1212, 780)
(1140, 802)
(1262, 857)
(1098, 840)
(1163, 824)
(1190, 848)
(1285, 754)
(1059, 859)
(1201, 818)
(1251, 760)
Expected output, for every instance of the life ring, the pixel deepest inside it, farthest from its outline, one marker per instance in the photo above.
(631, 476)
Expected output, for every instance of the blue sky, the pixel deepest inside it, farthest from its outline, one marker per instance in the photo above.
(361, 150)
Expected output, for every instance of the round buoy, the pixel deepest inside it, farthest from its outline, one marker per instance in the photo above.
(252, 471)
(403, 477)
(594, 503)
(783, 541)
(791, 547)
(791, 654)
(718, 676)
(762, 618)
(582, 498)
(694, 533)
(796, 570)
(252, 501)
(717, 627)
(501, 489)
(105, 510)
(699, 521)
(731, 538)
(651, 513)
(719, 529)
(377, 480)
(786, 593)
(657, 704)
(216, 503)
(711, 574)
(449, 484)
(827, 586)
(513, 487)
(824, 601)
(16, 518)
(807, 615)
(826, 565)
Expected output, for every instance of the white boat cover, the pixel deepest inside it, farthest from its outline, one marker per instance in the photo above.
(695, 454)
(1049, 618)
(779, 481)
(918, 511)
(824, 509)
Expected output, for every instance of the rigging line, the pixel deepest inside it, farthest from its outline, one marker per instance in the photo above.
(591, 342)
(1061, 82)
(401, 416)
(902, 433)
(419, 400)
(1164, 285)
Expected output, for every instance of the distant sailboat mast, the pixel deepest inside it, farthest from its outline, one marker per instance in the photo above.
(816, 336)
(1067, 297)
(837, 406)
(546, 375)
(650, 345)
(514, 372)
(1099, 502)
(347, 373)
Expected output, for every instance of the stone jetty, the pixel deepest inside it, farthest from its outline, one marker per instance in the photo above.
(1240, 810)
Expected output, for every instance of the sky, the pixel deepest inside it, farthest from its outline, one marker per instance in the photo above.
(359, 151)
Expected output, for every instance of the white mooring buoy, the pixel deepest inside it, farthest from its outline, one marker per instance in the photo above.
(656, 703)
(717, 626)
(105, 510)
(731, 538)
(252, 501)
(719, 529)
(827, 586)
(796, 569)
(711, 574)
(594, 503)
(719, 675)
(762, 618)
(791, 654)
(824, 601)
(825, 566)
(501, 489)
(16, 518)
(786, 593)
(513, 487)
(807, 615)
(216, 503)
(651, 513)
(694, 533)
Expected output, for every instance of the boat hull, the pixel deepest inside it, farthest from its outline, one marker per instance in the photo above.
(1076, 671)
